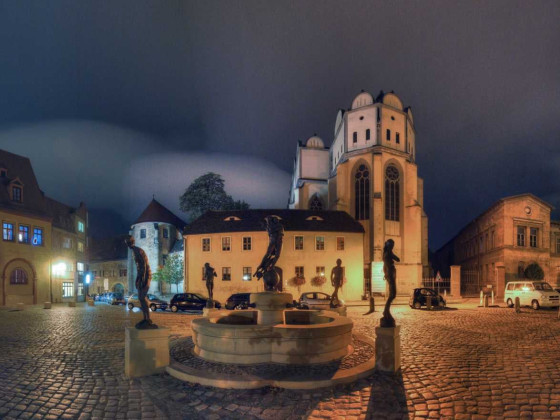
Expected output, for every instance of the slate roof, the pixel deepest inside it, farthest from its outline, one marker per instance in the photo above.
(109, 249)
(292, 220)
(157, 212)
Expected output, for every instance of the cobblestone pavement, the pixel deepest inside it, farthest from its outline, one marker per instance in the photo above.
(470, 363)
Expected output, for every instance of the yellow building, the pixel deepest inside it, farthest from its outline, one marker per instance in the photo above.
(43, 252)
(234, 243)
(499, 244)
(370, 173)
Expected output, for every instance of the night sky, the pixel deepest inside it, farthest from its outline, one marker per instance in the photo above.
(114, 101)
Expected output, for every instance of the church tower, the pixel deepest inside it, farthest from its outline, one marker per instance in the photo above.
(373, 177)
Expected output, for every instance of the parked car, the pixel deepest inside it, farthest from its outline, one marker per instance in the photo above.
(155, 302)
(316, 300)
(534, 293)
(238, 301)
(116, 299)
(190, 302)
(419, 298)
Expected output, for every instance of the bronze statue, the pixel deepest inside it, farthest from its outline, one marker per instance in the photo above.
(337, 277)
(391, 277)
(143, 279)
(209, 275)
(266, 268)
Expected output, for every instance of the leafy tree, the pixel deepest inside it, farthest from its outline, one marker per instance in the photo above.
(207, 193)
(171, 273)
(534, 272)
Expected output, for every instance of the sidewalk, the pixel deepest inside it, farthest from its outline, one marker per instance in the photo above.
(403, 300)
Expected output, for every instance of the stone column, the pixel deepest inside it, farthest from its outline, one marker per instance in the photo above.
(388, 349)
(145, 351)
(500, 279)
(455, 281)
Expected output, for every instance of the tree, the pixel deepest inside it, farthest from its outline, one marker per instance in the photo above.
(534, 272)
(207, 193)
(171, 272)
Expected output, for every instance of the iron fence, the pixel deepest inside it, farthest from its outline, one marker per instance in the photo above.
(440, 285)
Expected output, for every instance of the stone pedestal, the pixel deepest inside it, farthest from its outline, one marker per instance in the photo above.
(72, 304)
(388, 349)
(146, 352)
(48, 305)
(270, 306)
(209, 311)
(90, 302)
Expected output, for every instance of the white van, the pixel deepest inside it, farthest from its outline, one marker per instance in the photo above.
(532, 293)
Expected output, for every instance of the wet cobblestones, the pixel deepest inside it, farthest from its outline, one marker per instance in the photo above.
(471, 363)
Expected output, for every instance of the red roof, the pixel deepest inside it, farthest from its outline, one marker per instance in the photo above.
(156, 212)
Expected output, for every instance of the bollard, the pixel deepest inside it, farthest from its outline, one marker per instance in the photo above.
(486, 301)
(428, 302)
(481, 298)
(492, 297)
(48, 305)
(517, 305)
(90, 302)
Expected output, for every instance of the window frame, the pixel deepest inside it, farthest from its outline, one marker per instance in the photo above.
(355, 137)
(27, 241)
(13, 277)
(388, 134)
(81, 226)
(533, 239)
(226, 271)
(521, 233)
(298, 272)
(249, 243)
(317, 242)
(142, 233)
(19, 188)
(80, 246)
(209, 244)
(7, 229)
(338, 248)
(295, 243)
(368, 134)
(246, 272)
(226, 238)
(67, 286)
(38, 232)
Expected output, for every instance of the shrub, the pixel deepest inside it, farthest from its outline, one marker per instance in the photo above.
(534, 272)
(318, 280)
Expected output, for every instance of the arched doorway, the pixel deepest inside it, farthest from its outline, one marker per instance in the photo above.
(19, 283)
(118, 288)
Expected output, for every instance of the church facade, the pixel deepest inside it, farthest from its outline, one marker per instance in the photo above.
(370, 172)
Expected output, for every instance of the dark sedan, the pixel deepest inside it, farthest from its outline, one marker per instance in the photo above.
(238, 301)
(419, 298)
(190, 302)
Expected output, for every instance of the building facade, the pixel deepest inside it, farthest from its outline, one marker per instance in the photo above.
(156, 231)
(44, 247)
(234, 243)
(109, 265)
(497, 246)
(370, 173)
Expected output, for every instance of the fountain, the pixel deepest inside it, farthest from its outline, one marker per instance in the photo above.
(272, 344)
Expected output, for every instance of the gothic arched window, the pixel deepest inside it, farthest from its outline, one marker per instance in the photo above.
(315, 203)
(361, 193)
(392, 193)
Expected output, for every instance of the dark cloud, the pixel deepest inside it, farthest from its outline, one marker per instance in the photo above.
(252, 77)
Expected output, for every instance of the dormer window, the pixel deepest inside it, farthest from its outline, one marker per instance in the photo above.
(316, 218)
(232, 219)
(17, 194)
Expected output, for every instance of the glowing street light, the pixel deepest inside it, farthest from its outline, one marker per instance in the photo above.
(59, 269)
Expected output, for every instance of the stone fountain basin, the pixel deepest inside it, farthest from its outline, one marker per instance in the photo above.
(304, 337)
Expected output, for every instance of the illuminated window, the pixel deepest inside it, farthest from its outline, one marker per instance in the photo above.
(247, 273)
(66, 243)
(247, 243)
(38, 236)
(142, 233)
(355, 137)
(16, 194)
(18, 276)
(205, 244)
(23, 234)
(520, 235)
(298, 243)
(226, 243)
(67, 289)
(81, 226)
(533, 237)
(361, 193)
(315, 204)
(226, 273)
(392, 193)
(319, 243)
(80, 289)
(368, 134)
(80, 267)
(320, 271)
(7, 231)
(80, 246)
(340, 243)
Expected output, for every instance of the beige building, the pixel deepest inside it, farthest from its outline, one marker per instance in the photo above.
(109, 265)
(370, 173)
(498, 245)
(234, 243)
(43, 252)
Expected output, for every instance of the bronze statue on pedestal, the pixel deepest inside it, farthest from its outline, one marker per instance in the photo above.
(209, 275)
(266, 268)
(391, 277)
(337, 277)
(143, 280)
